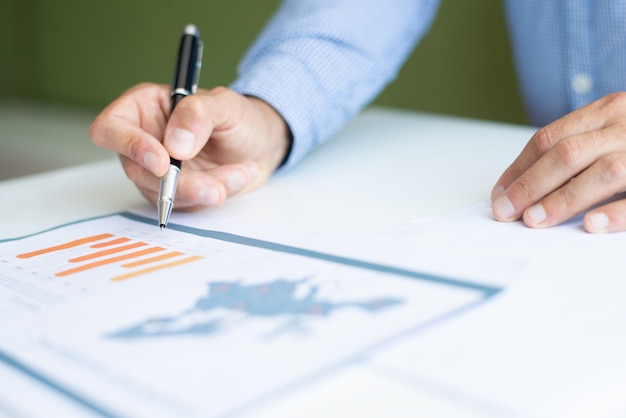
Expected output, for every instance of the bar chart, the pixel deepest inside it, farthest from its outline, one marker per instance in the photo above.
(106, 248)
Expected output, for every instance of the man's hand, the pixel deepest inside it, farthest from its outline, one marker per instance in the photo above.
(567, 167)
(228, 143)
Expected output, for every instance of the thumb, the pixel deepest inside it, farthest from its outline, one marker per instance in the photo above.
(188, 128)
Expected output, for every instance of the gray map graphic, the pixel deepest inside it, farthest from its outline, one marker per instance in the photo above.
(272, 299)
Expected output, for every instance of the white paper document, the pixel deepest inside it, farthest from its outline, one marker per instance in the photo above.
(551, 344)
(125, 320)
(120, 319)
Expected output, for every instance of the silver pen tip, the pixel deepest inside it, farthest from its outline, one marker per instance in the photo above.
(162, 227)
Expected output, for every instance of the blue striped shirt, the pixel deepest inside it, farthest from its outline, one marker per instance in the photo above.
(319, 62)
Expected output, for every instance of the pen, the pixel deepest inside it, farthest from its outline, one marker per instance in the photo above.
(185, 83)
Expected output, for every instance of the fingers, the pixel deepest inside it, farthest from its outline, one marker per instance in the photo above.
(565, 181)
(135, 144)
(586, 119)
(551, 172)
(608, 218)
(228, 143)
(599, 182)
(213, 187)
(538, 145)
(567, 167)
(131, 125)
(197, 188)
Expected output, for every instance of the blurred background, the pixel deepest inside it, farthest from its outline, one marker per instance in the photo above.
(62, 61)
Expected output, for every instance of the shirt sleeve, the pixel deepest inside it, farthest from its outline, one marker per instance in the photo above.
(319, 62)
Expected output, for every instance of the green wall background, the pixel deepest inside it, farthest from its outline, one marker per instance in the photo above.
(85, 53)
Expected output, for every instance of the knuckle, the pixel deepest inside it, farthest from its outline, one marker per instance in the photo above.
(145, 85)
(569, 152)
(543, 140)
(190, 106)
(613, 167)
(524, 189)
(567, 196)
(615, 100)
(226, 97)
(132, 147)
(221, 91)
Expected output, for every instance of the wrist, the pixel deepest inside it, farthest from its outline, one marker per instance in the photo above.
(278, 134)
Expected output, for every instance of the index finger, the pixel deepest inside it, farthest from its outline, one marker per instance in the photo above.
(130, 125)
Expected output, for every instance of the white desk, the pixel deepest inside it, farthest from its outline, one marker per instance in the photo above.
(385, 169)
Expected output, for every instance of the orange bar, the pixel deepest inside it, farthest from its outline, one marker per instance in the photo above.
(109, 261)
(112, 242)
(153, 259)
(155, 268)
(65, 246)
(107, 252)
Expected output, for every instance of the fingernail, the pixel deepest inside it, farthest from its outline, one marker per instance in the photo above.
(151, 162)
(236, 180)
(209, 195)
(180, 141)
(503, 208)
(536, 214)
(598, 222)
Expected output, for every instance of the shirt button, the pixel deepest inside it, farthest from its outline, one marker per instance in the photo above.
(582, 83)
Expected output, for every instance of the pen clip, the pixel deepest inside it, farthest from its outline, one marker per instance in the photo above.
(196, 77)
